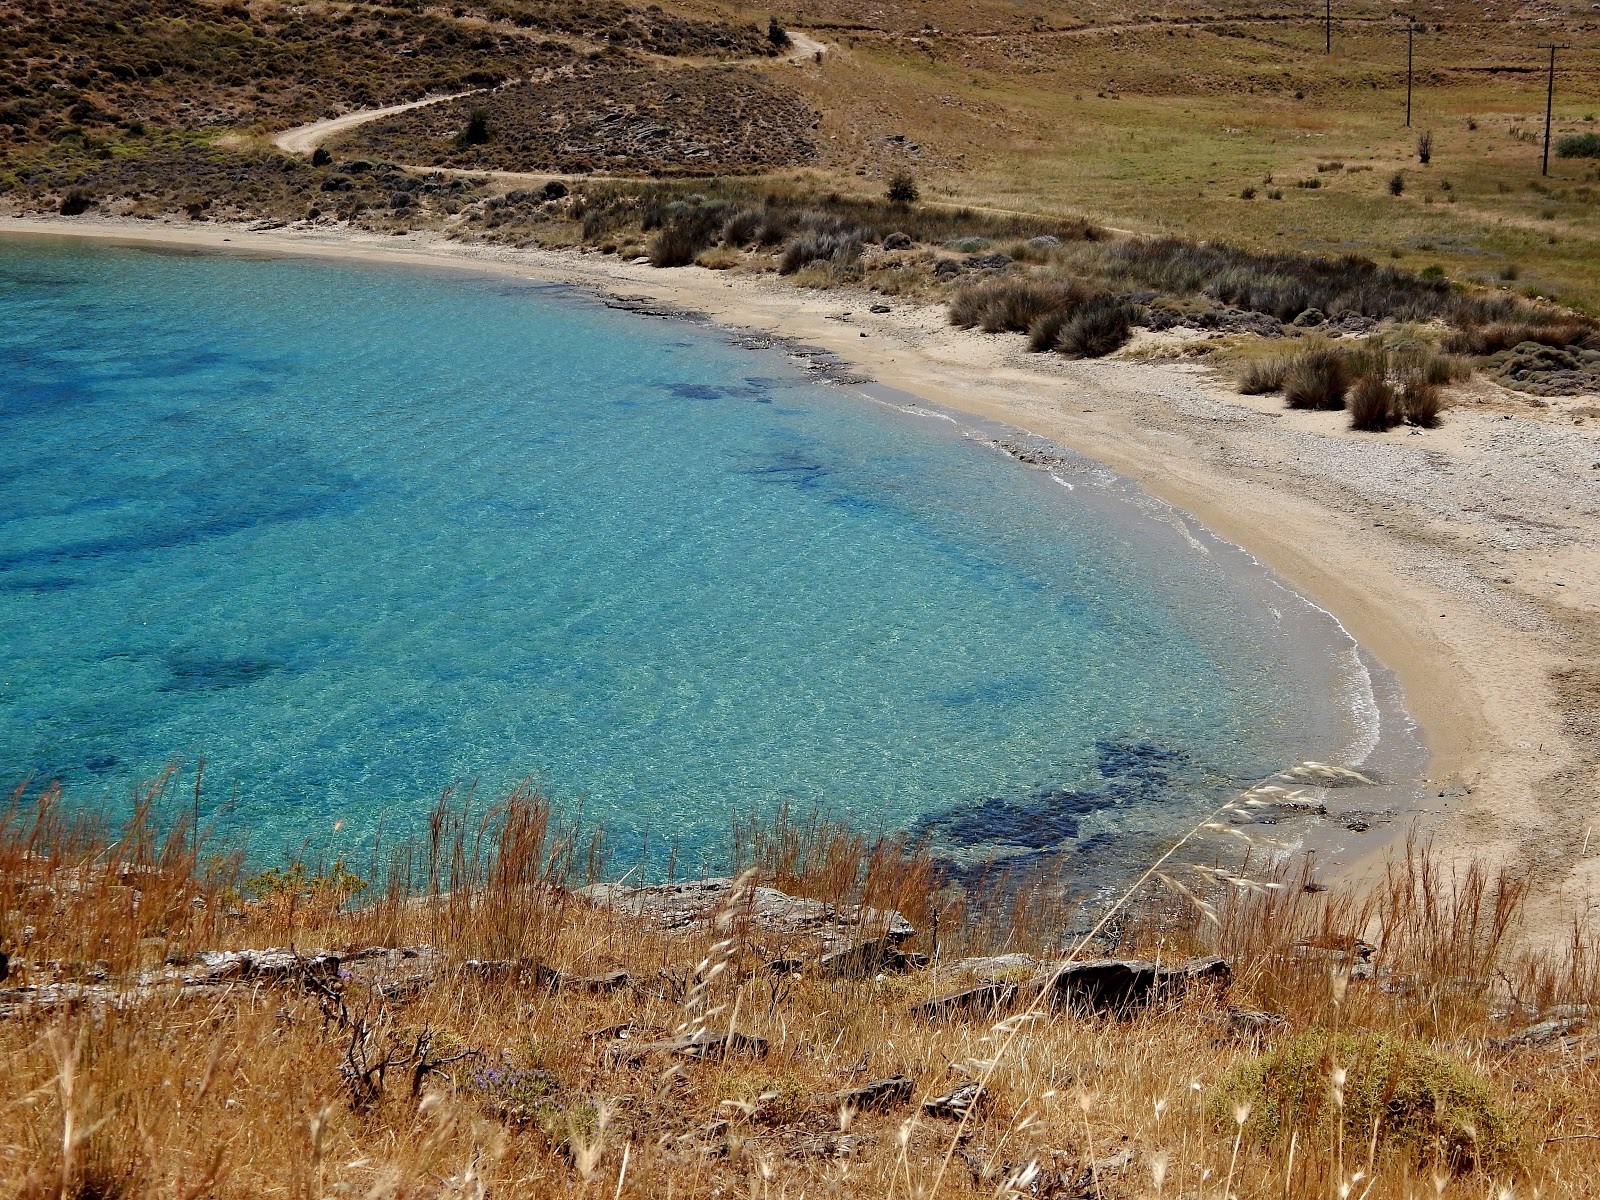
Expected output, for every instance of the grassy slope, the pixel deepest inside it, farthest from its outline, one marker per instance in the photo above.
(1160, 125)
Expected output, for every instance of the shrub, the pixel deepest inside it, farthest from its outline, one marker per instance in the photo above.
(1579, 145)
(1502, 335)
(1425, 147)
(777, 35)
(1316, 380)
(1313, 183)
(902, 188)
(320, 157)
(1263, 376)
(1016, 303)
(554, 190)
(476, 130)
(1275, 194)
(741, 228)
(688, 230)
(1096, 328)
(1395, 1089)
(809, 247)
(1044, 332)
(1249, 193)
(75, 201)
(1420, 401)
(1397, 183)
(1374, 406)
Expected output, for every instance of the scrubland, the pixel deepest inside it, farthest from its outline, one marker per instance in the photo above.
(484, 1029)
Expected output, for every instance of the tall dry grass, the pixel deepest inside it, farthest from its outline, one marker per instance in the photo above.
(502, 1084)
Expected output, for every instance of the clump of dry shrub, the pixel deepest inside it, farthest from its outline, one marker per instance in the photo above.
(1317, 380)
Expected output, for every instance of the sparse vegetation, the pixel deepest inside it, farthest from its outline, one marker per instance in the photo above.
(1316, 379)
(1016, 303)
(487, 1013)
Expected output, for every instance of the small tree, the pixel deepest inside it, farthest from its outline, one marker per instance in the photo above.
(776, 33)
(1425, 147)
(902, 188)
(476, 132)
(1397, 183)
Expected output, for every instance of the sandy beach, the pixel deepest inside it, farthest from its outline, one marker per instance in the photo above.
(1466, 559)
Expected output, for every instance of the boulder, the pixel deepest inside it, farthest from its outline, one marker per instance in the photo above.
(957, 1104)
(879, 1095)
(1100, 985)
(701, 1043)
(897, 241)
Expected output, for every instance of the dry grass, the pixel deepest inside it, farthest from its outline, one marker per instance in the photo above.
(238, 1090)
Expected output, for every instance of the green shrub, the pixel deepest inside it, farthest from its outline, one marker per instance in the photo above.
(1579, 145)
(902, 188)
(476, 130)
(1416, 1098)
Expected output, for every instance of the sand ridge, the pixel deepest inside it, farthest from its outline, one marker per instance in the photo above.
(1465, 559)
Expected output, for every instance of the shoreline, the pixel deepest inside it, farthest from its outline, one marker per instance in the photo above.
(1509, 778)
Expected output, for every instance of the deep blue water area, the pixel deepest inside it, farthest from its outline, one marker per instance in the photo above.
(356, 534)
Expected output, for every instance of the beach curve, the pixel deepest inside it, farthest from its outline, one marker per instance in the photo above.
(1475, 663)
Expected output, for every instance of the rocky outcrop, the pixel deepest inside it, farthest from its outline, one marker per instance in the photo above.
(711, 905)
(1104, 985)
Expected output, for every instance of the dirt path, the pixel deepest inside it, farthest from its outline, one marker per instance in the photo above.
(303, 139)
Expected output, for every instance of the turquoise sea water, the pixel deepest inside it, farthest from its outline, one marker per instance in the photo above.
(357, 534)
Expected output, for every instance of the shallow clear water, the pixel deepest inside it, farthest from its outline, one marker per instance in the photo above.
(356, 534)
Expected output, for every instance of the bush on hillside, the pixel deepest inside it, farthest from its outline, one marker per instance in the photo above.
(1013, 303)
(1579, 145)
(1400, 1091)
(840, 246)
(476, 131)
(902, 188)
(1502, 335)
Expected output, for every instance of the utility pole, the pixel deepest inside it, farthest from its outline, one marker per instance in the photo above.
(1549, 99)
(1327, 26)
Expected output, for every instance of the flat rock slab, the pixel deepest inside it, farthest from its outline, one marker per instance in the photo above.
(990, 966)
(702, 1043)
(710, 904)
